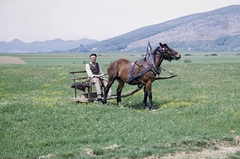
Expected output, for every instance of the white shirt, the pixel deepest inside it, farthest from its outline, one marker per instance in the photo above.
(89, 71)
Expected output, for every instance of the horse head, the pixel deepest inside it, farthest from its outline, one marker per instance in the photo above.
(169, 54)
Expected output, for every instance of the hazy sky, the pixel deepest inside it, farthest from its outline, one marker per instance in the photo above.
(39, 20)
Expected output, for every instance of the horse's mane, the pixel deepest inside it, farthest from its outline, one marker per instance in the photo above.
(156, 50)
(150, 56)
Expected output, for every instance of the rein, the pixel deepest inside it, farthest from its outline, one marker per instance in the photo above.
(128, 94)
(167, 77)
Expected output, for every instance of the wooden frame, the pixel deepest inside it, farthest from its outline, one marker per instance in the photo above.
(78, 77)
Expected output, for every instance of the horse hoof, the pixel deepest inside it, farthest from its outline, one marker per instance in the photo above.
(146, 108)
(120, 104)
(152, 109)
(104, 102)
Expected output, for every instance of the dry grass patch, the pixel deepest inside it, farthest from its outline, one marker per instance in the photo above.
(11, 60)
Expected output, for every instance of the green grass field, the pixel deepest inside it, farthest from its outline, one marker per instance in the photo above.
(197, 109)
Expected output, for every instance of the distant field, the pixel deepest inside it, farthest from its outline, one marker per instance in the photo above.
(198, 109)
(107, 58)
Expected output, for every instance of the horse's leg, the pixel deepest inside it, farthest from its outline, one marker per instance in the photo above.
(149, 94)
(151, 107)
(119, 92)
(144, 103)
(107, 88)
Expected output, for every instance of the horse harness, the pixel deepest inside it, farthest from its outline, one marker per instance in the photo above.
(151, 67)
(150, 56)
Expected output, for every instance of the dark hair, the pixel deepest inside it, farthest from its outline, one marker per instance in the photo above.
(93, 55)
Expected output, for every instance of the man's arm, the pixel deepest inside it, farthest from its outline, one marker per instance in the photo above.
(89, 71)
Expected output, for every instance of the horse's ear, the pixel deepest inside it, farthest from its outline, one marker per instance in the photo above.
(166, 45)
(161, 44)
(149, 48)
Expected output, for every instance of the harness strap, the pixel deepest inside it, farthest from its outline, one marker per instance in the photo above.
(150, 59)
(131, 73)
(134, 77)
(151, 66)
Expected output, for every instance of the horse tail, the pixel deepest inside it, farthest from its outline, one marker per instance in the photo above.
(109, 65)
(113, 70)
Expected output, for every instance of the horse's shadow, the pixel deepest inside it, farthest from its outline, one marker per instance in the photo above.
(138, 104)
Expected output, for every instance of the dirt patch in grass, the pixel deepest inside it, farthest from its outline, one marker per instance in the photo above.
(219, 149)
(11, 60)
(220, 153)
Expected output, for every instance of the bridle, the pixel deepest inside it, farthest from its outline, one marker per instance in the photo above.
(163, 52)
(172, 55)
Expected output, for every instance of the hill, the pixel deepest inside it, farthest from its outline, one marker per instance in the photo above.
(217, 30)
(42, 46)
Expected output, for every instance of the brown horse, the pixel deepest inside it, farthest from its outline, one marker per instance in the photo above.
(141, 72)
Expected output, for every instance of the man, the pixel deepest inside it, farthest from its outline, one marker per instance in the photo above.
(96, 75)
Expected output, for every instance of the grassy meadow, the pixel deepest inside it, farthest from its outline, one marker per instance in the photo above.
(197, 109)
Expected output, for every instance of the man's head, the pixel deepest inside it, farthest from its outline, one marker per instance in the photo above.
(93, 57)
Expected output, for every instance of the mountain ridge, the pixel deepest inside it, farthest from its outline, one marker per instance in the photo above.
(55, 45)
(217, 30)
(196, 32)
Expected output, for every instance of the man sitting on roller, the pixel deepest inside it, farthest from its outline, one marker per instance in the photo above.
(96, 75)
